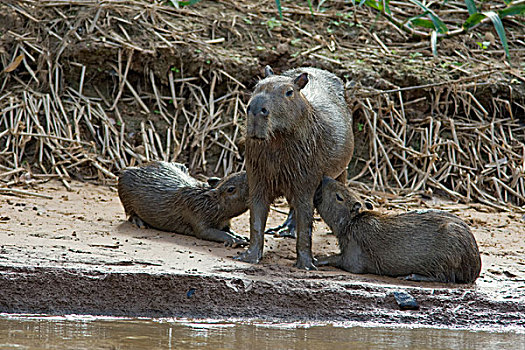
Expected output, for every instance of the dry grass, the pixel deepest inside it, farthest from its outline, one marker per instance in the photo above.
(172, 84)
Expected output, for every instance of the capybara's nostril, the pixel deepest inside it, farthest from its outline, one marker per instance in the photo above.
(264, 112)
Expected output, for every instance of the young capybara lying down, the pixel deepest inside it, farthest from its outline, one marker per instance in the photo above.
(424, 245)
(164, 196)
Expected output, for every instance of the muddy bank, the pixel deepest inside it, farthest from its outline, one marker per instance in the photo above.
(75, 253)
(239, 295)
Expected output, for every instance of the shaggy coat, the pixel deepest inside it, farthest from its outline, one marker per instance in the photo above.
(298, 129)
(164, 196)
(423, 245)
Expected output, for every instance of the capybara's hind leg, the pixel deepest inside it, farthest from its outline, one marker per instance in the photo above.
(287, 229)
(134, 219)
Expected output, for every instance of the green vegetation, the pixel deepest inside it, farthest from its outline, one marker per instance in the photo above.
(429, 24)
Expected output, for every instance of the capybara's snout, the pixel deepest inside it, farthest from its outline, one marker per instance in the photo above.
(257, 121)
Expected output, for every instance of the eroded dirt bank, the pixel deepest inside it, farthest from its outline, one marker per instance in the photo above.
(75, 253)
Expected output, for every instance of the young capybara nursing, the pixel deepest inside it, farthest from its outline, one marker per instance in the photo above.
(425, 245)
(298, 129)
(164, 196)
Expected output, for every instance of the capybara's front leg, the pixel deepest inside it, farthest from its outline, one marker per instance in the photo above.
(304, 214)
(229, 239)
(258, 215)
(331, 260)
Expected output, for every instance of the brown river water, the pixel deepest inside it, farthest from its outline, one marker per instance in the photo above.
(88, 332)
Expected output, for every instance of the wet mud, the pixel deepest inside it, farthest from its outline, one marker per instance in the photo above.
(75, 253)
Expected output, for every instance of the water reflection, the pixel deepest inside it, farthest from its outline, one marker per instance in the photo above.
(87, 332)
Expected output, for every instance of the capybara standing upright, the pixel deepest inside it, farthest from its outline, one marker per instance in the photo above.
(164, 196)
(298, 129)
(422, 245)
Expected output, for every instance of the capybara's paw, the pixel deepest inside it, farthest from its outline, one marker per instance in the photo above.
(321, 261)
(288, 232)
(249, 256)
(282, 231)
(305, 264)
(236, 241)
(134, 219)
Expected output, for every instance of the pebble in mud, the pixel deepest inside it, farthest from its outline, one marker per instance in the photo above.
(405, 301)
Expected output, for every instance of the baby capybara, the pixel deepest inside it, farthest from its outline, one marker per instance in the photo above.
(164, 196)
(298, 129)
(422, 245)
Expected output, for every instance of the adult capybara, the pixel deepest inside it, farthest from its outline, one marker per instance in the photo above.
(298, 129)
(164, 196)
(423, 245)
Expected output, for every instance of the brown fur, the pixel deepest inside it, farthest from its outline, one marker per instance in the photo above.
(291, 142)
(430, 245)
(164, 196)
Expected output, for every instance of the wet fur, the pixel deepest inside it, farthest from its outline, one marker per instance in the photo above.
(302, 139)
(432, 243)
(167, 198)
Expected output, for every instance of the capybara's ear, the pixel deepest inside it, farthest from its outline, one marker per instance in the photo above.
(369, 205)
(268, 71)
(301, 80)
(213, 181)
(357, 206)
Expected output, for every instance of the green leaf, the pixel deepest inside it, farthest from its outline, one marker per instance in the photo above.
(387, 7)
(373, 4)
(188, 3)
(471, 7)
(433, 43)
(438, 23)
(498, 25)
(476, 18)
(512, 10)
(311, 7)
(472, 20)
(425, 23)
(361, 2)
(279, 8)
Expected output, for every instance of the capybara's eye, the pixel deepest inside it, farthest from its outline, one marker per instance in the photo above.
(338, 197)
(289, 93)
(230, 189)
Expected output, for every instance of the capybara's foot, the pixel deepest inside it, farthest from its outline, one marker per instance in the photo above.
(287, 229)
(305, 263)
(236, 241)
(135, 220)
(282, 231)
(419, 278)
(322, 261)
(250, 256)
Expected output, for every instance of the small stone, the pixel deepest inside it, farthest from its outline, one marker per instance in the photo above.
(406, 301)
(190, 292)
